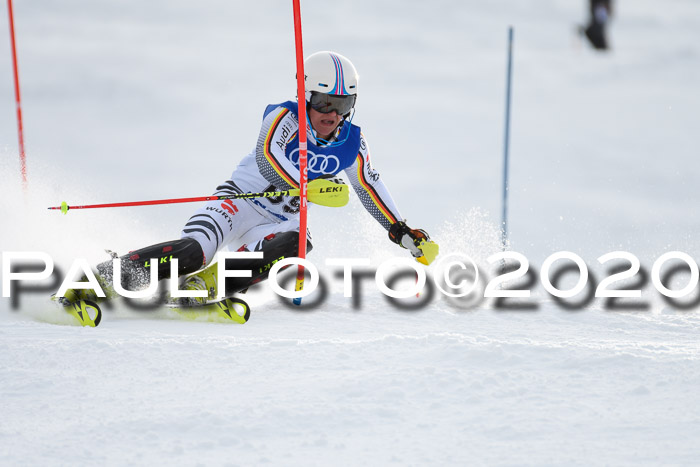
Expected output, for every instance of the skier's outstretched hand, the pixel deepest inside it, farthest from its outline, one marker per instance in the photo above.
(417, 241)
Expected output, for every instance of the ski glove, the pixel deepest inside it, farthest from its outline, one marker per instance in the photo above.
(417, 241)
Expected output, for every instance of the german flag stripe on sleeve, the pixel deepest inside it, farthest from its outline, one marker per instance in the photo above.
(371, 192)
(271, 158)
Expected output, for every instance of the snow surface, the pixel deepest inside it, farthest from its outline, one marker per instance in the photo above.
(139, 100)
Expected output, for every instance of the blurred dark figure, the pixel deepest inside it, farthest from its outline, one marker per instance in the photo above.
(596, 29)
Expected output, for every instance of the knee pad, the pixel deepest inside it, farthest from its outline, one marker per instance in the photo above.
(275, 247)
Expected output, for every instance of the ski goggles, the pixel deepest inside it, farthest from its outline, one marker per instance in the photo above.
(327, 103)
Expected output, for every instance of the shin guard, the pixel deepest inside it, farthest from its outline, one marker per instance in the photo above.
(136, 266)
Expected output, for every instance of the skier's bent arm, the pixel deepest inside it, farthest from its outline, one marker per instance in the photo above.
(378, 201)
(370, 188)
(278, 128)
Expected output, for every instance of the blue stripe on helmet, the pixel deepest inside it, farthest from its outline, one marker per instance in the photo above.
(339, 88)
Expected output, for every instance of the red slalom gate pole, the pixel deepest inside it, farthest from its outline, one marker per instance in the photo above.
(303, 175)
(22, 157)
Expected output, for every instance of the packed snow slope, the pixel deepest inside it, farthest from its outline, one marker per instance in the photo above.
(130, 100)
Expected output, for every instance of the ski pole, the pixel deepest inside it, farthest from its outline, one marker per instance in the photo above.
(321, 191)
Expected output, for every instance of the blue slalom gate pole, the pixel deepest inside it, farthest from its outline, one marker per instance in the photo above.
(506, 139)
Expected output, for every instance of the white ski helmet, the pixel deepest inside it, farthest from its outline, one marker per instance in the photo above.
(330, 73)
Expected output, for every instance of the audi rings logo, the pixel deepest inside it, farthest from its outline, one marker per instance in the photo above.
(317, 163)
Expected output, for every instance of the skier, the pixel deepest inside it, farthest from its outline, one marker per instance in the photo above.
(600, 12)
(271, 225)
